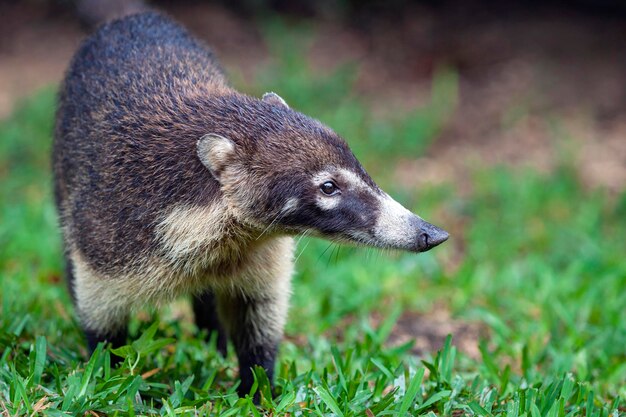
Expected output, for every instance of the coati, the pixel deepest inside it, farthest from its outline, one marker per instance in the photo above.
(168, 181)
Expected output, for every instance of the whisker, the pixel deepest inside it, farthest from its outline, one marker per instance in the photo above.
(281, 214)
(325, 250)
(330, 258)
(331, 254)
(302, 236)
(302, 251)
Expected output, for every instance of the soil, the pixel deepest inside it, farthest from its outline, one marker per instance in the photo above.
(530, 85)
(428, 331)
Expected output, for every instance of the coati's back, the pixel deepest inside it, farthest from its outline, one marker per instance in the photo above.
(115, 140)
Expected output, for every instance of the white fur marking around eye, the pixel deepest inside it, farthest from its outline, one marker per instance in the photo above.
(325, 202)
(322, 177)
(353, 180)
(393, 226)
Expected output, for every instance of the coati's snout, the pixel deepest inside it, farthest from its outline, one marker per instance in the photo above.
(429, 236)
(395, 227)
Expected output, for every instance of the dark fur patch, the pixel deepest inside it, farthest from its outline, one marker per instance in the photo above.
(205, 312)
(116, 339)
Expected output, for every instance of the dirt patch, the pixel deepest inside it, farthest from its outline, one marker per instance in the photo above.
(428, 331)
(34, 50)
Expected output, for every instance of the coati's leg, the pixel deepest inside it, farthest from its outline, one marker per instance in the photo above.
(255, 328)
(255, 314)
(116, 338)
(205, 311)
(102, 306)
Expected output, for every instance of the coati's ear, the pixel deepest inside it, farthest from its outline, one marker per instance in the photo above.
(274, 99)
(215, 152)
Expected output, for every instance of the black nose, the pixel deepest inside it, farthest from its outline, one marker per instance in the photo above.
(430, 236)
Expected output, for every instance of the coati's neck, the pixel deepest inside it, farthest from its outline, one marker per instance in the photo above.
(193, 238)
(193, 112)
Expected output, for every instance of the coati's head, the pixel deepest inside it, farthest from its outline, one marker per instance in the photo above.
(287, 173)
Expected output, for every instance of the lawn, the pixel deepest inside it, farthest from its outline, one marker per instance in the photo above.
(536, 262)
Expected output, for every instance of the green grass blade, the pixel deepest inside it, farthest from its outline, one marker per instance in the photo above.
(329, 400)
(412, 392)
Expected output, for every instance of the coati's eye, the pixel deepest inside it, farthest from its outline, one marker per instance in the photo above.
(329, 188)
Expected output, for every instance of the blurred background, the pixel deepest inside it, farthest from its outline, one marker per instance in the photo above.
(502, 121)
(519, 66)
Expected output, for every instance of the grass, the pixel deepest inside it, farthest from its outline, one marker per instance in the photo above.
(542, 271)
